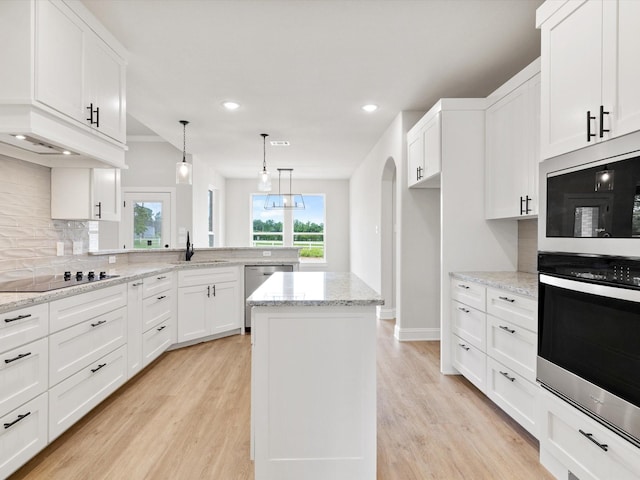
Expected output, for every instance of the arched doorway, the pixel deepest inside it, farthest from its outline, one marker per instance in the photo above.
(388, 241)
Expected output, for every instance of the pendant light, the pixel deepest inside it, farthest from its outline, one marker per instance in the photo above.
(287, 200)
(264, 178)
(184, 170)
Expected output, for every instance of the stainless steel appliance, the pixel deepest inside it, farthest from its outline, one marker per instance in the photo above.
(46, 283)
(254, 276)
(589, 336)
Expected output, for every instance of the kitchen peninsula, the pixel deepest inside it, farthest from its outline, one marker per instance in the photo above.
(313, 377)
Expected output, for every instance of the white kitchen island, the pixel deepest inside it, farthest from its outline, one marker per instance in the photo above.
(313, 377)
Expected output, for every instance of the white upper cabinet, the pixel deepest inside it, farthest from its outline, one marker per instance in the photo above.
(589, 72)
(66, 88)
(512, 146)
(85, 194)
(424, 156)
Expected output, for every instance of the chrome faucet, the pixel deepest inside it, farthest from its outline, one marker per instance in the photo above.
(190, 252)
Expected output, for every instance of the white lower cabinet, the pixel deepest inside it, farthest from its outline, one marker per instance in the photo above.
(73, 348)
(74, 397)
(585, 447)
(494, 345)
(18, 327)
(155, 341)
(513, 393)
(134, 327)
(23, 374)
(24, 434)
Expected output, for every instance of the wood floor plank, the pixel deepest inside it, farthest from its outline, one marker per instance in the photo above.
(187, 417)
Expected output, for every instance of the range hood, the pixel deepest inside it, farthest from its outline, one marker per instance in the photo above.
(34, 135)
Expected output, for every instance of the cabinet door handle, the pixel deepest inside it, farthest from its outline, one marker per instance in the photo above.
(602, 114)
(98, 323)
(97, 123)
(14, 319)
(161, 328)
(603, 446)
(214, 290)
(462, 285)
(94, 370)
(462, 345)
(589, 118)
(20, 417)
(90, 119)
(161, 297)
(419, 173)
(208, 290)
(22, 355)
(162, 277)
(99, 205)
(527, 210)
(506, 375)
(507, 299)
(137, 284)
(465, 310)
(506, 329)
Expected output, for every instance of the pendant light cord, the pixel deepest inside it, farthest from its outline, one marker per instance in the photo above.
(264, 152)
(184, 140)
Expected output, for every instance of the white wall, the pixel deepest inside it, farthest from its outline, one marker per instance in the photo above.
(205, 178)
(417, 238)
(238, 214)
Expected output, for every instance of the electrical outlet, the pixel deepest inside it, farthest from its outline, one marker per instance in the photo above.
(266, 253)
(77, 248)
(59, 249)
(112, 259)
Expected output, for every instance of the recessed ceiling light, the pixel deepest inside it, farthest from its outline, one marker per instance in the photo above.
(20, 137)
(231, 105)
(370, 107)
(66, 152)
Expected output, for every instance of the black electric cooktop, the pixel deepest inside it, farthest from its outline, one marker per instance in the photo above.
(46, 283)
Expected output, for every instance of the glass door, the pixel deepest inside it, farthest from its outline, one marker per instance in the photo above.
(146, 218)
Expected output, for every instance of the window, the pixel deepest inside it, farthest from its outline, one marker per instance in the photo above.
(286, 228)
(211, 204)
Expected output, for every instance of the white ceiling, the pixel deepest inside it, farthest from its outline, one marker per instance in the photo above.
(301, 70)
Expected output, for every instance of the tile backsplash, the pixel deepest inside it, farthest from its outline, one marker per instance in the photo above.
(28, 235)
(528, 246)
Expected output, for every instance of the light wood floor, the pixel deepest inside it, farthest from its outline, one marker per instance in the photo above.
(187, 417)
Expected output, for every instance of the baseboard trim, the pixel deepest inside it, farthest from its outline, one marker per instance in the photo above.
(385, 313)
(416, 334)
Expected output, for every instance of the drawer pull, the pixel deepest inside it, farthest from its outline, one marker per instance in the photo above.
(462, 285)
(603, 446)
(22, 355)
(19, 317)
(506, 375)
(462, 345)
(137, 284)
(161, 297)
(161, 278)
(161, 328)
(94, 370)
(465, 310)
(20, 417)
(506, 329)
(507, 299)
(98, 323)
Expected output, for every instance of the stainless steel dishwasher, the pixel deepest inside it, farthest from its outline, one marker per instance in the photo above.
(254, 276)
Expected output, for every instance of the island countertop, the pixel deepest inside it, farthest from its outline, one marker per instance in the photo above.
(314, 289)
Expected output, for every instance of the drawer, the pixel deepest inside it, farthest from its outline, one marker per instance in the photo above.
(514, 394)
(513, 346)
(570, 436)
(78, 308)
(469, 324)
(76, 347)
(155, 341)
(470, 362)
(73, 398)
(516, 309)
(26, 435)
(469, 293)
(23, 374)
(157, 309)
(18, 327)
(157, 283)
(206, 276)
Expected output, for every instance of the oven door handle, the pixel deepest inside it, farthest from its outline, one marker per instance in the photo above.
(591, 288)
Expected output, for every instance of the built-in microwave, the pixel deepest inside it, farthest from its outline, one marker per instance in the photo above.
(590, 204)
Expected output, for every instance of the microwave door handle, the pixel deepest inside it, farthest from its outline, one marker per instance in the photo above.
(591, 288)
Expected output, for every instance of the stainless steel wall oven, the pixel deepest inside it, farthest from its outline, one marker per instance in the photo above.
(589, 335)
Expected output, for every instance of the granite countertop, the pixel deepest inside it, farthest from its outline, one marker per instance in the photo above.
(517, 282)
(290, 289)
(126, 273)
